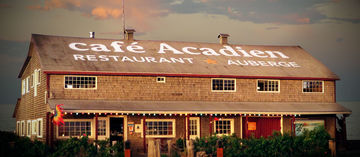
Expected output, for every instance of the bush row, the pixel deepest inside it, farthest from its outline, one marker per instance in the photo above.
(310, 143)
(13, 145)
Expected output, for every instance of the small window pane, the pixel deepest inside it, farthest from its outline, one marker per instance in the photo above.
(75, 128)
(159, 128)
(312, 86)
(81, 82)
(223, 127)
(223, 85)
(268, 85)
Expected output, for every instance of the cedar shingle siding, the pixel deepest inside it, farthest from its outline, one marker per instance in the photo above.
(136, 82)
(33, 107)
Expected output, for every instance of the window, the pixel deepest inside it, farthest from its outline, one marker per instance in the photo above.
(194, 124)
(160, 79)
(101, 131)
(31, 81)
(160, 127)
(18, 128)
(75, 128)
(34, 126)
(23, 84)
(27, 87)
(37, 76)
(39, 127)
(23, 128)
(302, 125)
(28, 128)
(45, 95)
(80, 82)
(34, 82)
(223, 84)
(224, 126)
(268, 85)
(313, 86)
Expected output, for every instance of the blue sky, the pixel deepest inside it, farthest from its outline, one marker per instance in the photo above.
(327, 29)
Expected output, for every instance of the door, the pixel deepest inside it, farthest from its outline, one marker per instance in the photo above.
(194, 127)
(116, 129)
(261, 126)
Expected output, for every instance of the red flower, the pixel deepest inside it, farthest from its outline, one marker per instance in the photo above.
(84, 134)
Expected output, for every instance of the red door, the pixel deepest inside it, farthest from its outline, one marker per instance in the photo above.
(260, 126)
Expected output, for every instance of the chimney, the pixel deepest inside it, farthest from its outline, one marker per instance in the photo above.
(223, 38)
(129, 34)
(92, 34)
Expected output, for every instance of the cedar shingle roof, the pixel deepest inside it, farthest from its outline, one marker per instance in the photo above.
(56, 56)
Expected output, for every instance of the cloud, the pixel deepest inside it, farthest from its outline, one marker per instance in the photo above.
(5, 6)
(271, 28)
(103, 13)
(177, 2)
(303, 20)
(339, 40)
(200, 1)
(38, 7)
(341, 10)
(138, 13)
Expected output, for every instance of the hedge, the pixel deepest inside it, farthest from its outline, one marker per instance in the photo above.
(310, 143)
(13, 145)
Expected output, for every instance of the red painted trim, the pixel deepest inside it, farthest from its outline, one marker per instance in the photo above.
(210, 126)
(144, 133)
(48, 87)
(291, 128)
(96, 126)
(293, 125)
(184, 75)
(246, 126)
(200, 126)
(185, 137)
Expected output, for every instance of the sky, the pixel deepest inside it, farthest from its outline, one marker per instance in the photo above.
(327, 29)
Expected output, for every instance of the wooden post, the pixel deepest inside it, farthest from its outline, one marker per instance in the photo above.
(210, 126)
(188, 127)
(96, 126)
(144, 133)
(343, 127)
(185, 133)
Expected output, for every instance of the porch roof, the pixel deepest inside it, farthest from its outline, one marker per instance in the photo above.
(197, 107)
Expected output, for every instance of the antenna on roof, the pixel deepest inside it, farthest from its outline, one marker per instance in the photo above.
(123, 8)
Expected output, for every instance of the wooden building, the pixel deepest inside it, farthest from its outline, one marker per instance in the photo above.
(137, 89)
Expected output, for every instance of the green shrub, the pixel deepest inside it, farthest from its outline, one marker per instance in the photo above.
(75, 147)
(13, 145)
(118, 149)
(311, 143)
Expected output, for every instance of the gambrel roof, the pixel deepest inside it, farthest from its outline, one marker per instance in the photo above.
(74, 55)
